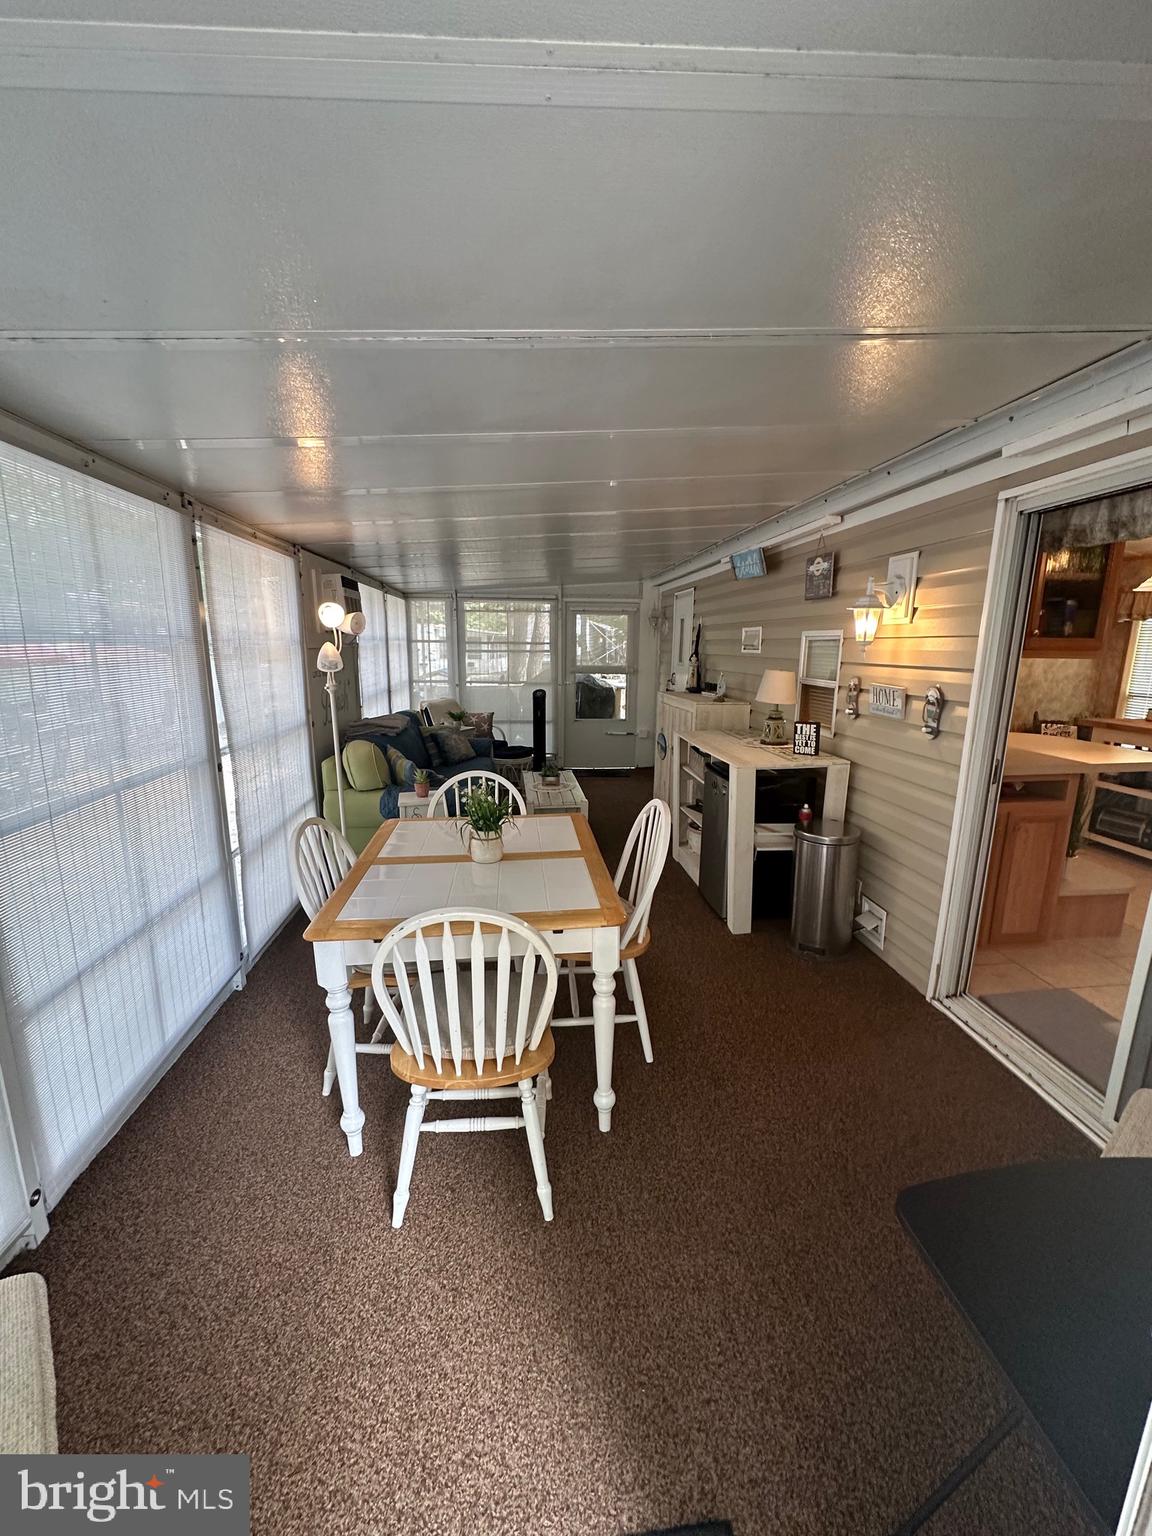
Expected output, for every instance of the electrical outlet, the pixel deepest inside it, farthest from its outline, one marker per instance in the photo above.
(871, 924)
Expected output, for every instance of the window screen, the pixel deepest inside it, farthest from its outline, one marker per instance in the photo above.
(117, 923)
(396, 618)
(372, 654)
(258, 664)
(506, 652)
(429, 644)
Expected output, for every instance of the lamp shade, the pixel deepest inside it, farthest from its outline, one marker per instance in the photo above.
(777, 688)
(331, 615)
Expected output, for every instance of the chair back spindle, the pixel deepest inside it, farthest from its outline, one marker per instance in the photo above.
(509, 1009)
(642, 864)
(321, 857)
(463, 784)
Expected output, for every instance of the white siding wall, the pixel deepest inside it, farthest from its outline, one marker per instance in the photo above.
(903, 785)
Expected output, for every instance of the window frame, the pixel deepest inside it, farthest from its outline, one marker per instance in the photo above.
(805, 679)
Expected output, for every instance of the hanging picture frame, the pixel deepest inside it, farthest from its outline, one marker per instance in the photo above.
(820, 575)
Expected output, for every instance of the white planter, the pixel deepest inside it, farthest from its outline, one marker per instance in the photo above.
(485, 850)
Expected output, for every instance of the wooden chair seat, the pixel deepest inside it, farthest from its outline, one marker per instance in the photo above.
(489, 1075)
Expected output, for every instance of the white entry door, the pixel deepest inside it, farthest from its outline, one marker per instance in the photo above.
(600, 726)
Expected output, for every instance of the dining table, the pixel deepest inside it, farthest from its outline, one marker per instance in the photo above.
(552, 875)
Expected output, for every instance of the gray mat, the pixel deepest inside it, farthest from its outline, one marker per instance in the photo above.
(1064, 1024)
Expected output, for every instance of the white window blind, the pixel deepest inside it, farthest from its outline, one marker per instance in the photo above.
(399, 687)
(430, 648)
(117, 922)
(258, 663)
(372, 654)
(506, 650)
(1137, 700)
(819, 676)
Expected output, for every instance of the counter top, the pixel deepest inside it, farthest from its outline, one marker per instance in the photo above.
(741, 749)
(1030, 755)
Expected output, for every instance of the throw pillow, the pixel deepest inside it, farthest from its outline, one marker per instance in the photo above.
(477, 722)
(454, 747)
(402, 769)
(365, 766)
(430, 735)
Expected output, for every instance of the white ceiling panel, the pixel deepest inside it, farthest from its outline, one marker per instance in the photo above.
(499, 308)
(1122, 29)
(191, 214)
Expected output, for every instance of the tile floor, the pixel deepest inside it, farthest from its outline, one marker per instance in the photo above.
(1099, 970)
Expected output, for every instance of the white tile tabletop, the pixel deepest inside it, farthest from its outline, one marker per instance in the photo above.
(396, 891)
(441, 839)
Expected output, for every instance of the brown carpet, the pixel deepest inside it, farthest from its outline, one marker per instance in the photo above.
(723, 1322)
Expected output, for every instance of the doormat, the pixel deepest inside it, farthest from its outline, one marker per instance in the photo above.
(710, 1528)
(1066, 1025)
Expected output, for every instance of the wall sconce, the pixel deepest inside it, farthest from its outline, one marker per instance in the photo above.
(893, 599)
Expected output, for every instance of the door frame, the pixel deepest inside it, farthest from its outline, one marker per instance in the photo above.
(569, 609)
(1015, 540)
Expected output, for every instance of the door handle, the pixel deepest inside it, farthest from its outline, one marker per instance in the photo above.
(619, 733)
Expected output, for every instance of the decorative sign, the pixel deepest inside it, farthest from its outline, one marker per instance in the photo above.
(747, 564)
(1057, 728)
(886, 701)
(819, 575)
(806, 738)
(933, 710)
(852, 700)
(750, 639)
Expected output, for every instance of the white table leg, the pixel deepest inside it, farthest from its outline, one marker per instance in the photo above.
(332, 973)
(605, 960)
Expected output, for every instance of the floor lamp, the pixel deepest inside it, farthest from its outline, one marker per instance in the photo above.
(330, 661)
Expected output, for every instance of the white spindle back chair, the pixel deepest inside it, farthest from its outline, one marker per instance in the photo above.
(469, 1025)
(637, 876)
(321, 857)
(462, 784)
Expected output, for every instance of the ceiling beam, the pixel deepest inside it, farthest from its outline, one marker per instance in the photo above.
(361, 66)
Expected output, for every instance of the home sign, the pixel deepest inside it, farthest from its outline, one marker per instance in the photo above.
(885, 701)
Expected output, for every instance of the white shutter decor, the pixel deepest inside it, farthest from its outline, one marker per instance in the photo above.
(372, 654)
(258, 663)
(117, 920)
(819, 676)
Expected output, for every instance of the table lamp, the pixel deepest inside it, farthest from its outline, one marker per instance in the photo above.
(775, 688)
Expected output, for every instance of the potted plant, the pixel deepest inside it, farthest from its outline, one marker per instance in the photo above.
(420, 783)
(483, 826)
(550, 772)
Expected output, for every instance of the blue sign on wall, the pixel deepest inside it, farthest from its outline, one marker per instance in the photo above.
(748, 563)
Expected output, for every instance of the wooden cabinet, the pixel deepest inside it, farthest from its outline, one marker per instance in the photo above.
(1029, 849)
(1073, 601)
(684, 713)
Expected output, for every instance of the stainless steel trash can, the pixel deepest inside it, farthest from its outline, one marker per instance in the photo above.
(824, 888)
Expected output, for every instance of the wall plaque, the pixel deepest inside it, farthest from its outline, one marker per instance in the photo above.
(806, 738)
(885, 701)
